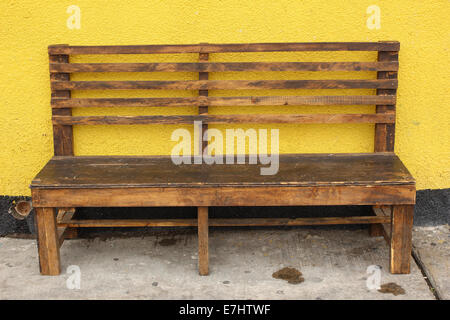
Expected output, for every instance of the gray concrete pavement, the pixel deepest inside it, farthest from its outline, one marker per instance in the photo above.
(333, 262)
(432, 247)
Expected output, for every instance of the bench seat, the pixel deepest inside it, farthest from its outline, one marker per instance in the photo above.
(371, 169)
(302, 179)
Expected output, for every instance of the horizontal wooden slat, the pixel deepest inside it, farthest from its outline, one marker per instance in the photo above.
(237, 118)
(126, 102)
(224, 101)
(222, 66)
(236, 47)
(224, 222)
(225, 84)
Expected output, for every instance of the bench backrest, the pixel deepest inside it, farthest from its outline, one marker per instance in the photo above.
(385, 84)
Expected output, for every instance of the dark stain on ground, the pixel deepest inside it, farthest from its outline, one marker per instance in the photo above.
(291, 275)
(167, 242)
(391, 287)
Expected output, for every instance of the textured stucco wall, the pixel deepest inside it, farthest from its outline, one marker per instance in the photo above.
(28, 27)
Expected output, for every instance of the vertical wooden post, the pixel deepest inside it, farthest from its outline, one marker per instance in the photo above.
(48, 242)
(203, 109)
(203, 257)
(384, 133)
(62, 135)
(376, 230)
(401, 238)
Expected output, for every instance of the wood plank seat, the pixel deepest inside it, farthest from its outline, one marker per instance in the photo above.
(377, 179)
(370, 169)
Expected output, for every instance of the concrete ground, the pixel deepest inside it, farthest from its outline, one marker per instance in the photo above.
(163, 265)
(432, 248)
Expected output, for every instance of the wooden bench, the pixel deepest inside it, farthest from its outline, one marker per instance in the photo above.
(376, 179)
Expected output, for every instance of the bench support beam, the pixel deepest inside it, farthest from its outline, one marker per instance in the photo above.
(48, 241)
(378, 229)
(65, 232)
(203, 258)
(228, 222)
(225, 196)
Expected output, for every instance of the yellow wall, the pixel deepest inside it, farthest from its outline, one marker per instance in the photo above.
(28, 27)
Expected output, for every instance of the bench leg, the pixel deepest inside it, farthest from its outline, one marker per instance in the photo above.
(67, 214)
(401, 238)
(71, 233)
(375, 230)
(48, 242)
(203, 263)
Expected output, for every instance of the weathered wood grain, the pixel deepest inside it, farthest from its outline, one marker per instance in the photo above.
(384, 138)
(376, 230)
(385, 133)
(222, 66)
(224, 84)
(203, 255)
(401, 238)
(223, 101)
(62, 135)
(385, 228)
(225, 196)
(48, 241)
(235, 47)
(64, 215)
(203, 107)
(294, 170)
(235, 118)
(256, 222)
